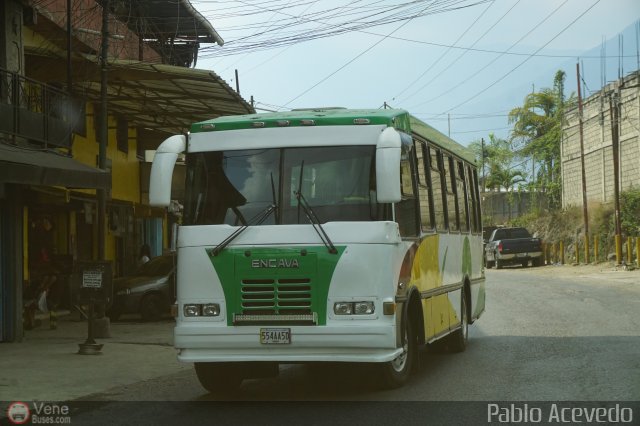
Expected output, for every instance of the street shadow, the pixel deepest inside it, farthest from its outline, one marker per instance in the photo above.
(492, 368)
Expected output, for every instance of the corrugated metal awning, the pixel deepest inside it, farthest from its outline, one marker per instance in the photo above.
(157, 96)
(37, 167)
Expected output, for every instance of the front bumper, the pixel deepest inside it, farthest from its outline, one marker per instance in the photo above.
(519, 256)
(204, 343)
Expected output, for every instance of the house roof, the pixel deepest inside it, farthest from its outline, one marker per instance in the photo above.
(162, 19)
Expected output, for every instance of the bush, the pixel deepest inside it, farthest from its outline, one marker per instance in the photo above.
(630, 212)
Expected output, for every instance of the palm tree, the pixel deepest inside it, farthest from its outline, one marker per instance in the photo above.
(538, 125)
(506, 178)
(502, 177)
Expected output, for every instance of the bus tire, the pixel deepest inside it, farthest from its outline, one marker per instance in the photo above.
(396, 373)
(217, 377)
(499, 264)
(458, 339)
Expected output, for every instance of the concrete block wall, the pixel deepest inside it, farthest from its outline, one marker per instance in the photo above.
(597, 140)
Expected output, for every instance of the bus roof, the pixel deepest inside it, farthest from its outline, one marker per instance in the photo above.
(396, 118)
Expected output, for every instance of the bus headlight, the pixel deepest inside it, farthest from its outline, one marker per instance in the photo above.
(363, 308)
(191, 310)
(343, 308)
(354, 308)
(211, 310)
(200, 309)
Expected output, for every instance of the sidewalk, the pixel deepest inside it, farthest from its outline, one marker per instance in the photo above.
(45, 366)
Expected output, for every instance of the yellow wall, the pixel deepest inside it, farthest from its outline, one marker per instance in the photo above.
(125, 167)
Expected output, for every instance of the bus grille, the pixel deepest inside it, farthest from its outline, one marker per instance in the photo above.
(276, 300)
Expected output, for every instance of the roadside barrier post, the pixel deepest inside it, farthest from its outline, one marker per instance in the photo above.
(618, 249)
(595, 249)
(577, 252)
(562, 252)
(586, 248)
(638, 251)
(629, 253)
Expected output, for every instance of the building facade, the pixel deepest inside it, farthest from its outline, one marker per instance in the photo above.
(50, 97)
(598, 143)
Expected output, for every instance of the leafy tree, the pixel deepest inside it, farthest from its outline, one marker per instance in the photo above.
(537, 125)
(496, 158)
(502, 177)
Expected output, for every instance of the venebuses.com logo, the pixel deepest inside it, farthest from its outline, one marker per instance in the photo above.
(20, 413)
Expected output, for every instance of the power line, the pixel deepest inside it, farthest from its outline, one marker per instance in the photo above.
(444, 53)
(355, 58)
(497, 57)
(523, 62)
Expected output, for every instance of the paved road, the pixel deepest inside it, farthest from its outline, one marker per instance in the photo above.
(543, 337)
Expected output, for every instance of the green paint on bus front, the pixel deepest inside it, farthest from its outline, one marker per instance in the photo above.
(396, 118)
(399, 119)
(276, 281)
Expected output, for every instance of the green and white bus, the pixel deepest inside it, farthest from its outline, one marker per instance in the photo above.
(325, 235)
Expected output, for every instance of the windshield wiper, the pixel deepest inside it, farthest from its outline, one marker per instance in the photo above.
(256, 220)
(311, 215)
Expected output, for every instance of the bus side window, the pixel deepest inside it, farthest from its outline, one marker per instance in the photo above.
(406, 210)
(425, 193)
(437, 184)
(461, 191)
(452, 207)
(476, 196)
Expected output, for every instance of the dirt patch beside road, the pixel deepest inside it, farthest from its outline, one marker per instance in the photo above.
(604, 272)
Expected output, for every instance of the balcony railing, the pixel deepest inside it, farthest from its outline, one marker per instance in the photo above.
(35, 111)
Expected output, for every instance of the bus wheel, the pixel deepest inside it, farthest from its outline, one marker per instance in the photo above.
(396, 373)
(217, 377)
(498, 264)
(458, 339)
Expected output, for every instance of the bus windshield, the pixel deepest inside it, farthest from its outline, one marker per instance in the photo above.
(232, 187)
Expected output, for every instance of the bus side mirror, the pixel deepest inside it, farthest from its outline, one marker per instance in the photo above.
(162, 170)
(388, 154)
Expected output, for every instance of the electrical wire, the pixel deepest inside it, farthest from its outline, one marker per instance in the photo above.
(523, 62)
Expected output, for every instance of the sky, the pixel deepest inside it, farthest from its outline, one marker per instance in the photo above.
(459, 65)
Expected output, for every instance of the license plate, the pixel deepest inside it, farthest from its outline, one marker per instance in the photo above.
(275, 336)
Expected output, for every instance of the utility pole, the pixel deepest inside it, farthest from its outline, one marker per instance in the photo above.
(615, 145)
(449, 122)
(237, 83)
(104, 134)
(72, 120)
(484, 185)
(90, 347)
(584, 177)
(69, 78)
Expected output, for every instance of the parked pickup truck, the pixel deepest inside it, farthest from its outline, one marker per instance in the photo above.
(509, 246)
